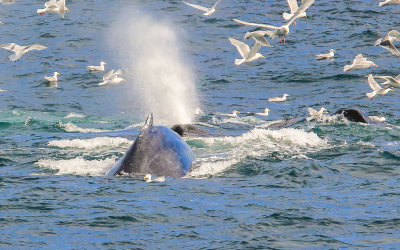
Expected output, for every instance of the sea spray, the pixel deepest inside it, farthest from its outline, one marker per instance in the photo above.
(151, 52)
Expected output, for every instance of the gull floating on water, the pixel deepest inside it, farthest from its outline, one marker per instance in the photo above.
(147, 178)
(97, 68)
(244, 50)
(386, 42)
(20, 50)
(389, 2)
(54, 6)
(359, 62)
(283, 30)
(278, 99)
(208, 11)
(112, 77)
(234, 113)
(331, 54)
(52, 78)
(258, 36)
(265, 113)
(293, 8)
(7, 1)
(376, 88)
(390, 81)
(377, 118)
(315, 114)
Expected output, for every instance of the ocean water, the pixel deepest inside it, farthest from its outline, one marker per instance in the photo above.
(322, 184)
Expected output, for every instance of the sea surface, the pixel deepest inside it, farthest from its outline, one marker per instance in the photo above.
(320, 184)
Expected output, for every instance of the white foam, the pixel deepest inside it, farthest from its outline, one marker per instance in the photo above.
(70, 127)
(74, 115)
(78, 166)
(223, 152)
(90, 144)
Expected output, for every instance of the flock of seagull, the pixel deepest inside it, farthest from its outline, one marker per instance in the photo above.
(360, 62)
(56, 7)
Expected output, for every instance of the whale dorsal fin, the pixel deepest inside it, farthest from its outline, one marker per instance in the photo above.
(149, 122)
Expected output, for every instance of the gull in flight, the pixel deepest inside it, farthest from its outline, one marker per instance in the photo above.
(244, 50)
(52, 78)
(97, 68)
(283, 30)
(389, 2)
(20, 50)
(278, 99)
(208, 11)
(258, 36)
(315, 114)
(376, 89)
(234, 113)
(386, 42)
(293, 8)
(112, 77)
(359, 62)
(54, 6)
(265, 113)
(331, 54)
(390, 81)
(147, 178)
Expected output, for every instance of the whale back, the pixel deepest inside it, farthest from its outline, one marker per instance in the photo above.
(158, 151)
(355, 115)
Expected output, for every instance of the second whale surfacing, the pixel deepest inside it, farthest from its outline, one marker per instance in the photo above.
(157, 150)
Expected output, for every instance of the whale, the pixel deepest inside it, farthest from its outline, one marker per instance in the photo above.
(157, 150)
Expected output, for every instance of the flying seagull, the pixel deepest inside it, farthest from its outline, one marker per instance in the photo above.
(20, 50)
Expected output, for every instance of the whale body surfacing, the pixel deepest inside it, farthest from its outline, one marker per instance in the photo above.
(157, 151)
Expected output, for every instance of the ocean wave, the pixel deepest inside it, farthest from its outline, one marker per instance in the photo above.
(70, 127)
(94, 143)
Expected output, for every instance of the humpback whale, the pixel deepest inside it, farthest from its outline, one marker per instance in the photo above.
(157, 150)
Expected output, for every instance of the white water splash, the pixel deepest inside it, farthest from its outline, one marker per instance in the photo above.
(151, 51)
(90, 144)
(74, 115)
(223, 152)
(78, 166)
(70, 127)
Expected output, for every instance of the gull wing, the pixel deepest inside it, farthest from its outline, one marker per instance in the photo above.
(108, 75)
(118, 72)
(392, 49)
(394, 33)
(266, 26)
(261, 39)
(197, 6)
(398, 77)
(62, 8)
(372, 83)
(11, 46)
(306, 4)
(51, 3)
(215, 5)
(256, 47)
(34, 47)
(360, 59)
(293, 5)
(389, 78)
(312, 111)
(241, 47)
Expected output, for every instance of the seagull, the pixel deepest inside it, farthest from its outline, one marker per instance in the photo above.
(359, 62)
(258, 36)
(331, 54)
(283, 30)
(278, 99)
(389, 2)
(293, 8)
(266, 112)
(244, 50)
(7, 1)
(390, 81)
(147, 178)
(315, 114)
(376, 89)
(377, 118)
(234, 113)
(54, 6)
(52, 78)
(386, 42)
(198, 111)
(208, 11)
(97, 68)
(112, 77)
(20, 50)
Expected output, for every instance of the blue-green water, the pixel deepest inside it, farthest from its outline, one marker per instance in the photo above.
(320, 184)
